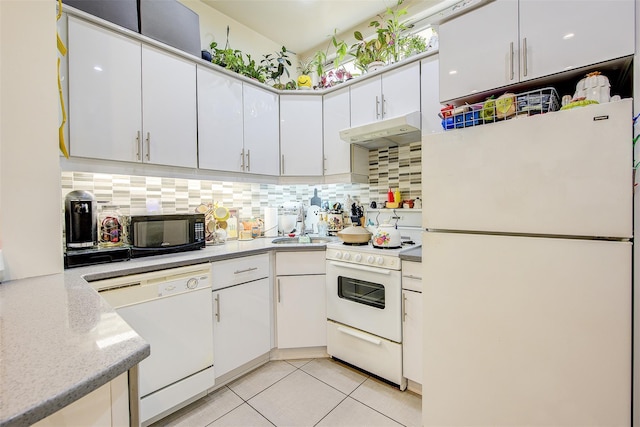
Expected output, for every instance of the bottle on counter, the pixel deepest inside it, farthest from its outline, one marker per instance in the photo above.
(323, 225)
(390, 197)
(397, 198)
(232, 227)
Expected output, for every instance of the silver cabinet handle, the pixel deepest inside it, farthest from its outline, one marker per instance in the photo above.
(148, 145)
(278, 290)
(138, 146)
(511, 61)
(248, 160)
(404, 307)
(282, 165)
(384, 104)
(411, 276)
(242, 160)
(524, 55)
(245, 270)
(218, 308)
(324, 164)
(377, 108)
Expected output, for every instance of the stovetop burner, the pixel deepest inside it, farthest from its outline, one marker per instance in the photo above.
(355, 243)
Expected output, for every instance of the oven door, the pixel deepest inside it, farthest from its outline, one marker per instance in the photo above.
(366, 298)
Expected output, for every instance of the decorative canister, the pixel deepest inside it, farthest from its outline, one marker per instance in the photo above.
(110, 222)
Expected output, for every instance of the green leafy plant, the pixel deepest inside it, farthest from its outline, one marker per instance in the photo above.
(368, 51)
(411, 45)
(276, 66)
(233, 60)
(319, 60)
(384, 46)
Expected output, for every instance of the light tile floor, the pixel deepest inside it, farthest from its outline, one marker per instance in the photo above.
(309, 392)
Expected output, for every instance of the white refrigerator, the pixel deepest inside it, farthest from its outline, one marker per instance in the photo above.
(527, 271)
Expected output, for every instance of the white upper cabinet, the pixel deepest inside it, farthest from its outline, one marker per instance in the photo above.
(573, 34)
(393, 93)
(169, 116)
(508, 41)
(220, 127)
(105, 106)
(341, 157)
(301, 135)
(261, 131)
(129, 102)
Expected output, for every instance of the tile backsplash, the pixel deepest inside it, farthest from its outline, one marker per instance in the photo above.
(393, 167)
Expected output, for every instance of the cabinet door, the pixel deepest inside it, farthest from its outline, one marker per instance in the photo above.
(220, 133)
(561, 35)
(430, 95)
(412, 336)
(261, 131)
(301, 315)
(301, 135)
(479, 50)
(241, 325)
(401, 91)
(366, 102)
(105, 109)
(169, 109)
(337, 153)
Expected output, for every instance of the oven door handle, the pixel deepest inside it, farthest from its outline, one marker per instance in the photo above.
(360, 267)
(359, 336)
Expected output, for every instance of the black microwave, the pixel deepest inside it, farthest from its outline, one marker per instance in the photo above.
(162, 234)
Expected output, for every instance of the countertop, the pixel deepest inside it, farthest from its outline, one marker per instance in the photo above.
(413, 254)
(60, 340)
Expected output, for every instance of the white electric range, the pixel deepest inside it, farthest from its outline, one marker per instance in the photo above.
(364, 300)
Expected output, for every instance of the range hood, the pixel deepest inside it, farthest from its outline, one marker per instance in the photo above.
(386, 133)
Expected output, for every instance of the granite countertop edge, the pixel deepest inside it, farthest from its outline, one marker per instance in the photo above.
(16, 411)
(414, 254)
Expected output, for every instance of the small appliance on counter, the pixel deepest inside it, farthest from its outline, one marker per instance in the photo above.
(163, 234)
(80, 220)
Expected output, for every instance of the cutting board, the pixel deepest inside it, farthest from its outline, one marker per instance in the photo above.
(315, 200)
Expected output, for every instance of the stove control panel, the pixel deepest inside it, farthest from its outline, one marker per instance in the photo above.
(363, 257)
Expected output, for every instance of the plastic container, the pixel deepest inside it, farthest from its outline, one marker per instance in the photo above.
(110, 223)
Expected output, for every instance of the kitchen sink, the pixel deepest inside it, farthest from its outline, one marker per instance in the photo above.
(296, 240)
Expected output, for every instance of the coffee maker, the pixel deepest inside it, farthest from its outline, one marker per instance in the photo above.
(80, 219)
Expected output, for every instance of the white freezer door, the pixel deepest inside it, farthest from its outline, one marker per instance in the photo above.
(525, 331)
(561, 173)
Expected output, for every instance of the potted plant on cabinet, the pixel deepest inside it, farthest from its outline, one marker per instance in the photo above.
(304, 79)
(371, 54)
(276, 65)
(319, 60)
(411, 45)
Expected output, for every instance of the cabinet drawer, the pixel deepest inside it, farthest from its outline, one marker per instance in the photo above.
(239, 270)
(412, 275)
(300, 263)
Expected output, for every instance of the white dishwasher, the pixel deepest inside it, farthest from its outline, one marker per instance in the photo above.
(171, 309)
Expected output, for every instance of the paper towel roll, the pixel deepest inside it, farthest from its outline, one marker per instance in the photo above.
(270, 222)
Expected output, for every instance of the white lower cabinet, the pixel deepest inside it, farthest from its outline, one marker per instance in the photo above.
(106, 406)
(241, 313)
(301, 316)
(412, 321)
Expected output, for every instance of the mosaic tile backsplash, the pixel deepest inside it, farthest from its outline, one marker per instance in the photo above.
(394, 167)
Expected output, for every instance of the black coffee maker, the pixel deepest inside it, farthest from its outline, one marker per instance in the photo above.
(80, 220)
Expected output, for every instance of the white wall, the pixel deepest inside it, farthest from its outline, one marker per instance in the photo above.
(213, 27)
(30, 206)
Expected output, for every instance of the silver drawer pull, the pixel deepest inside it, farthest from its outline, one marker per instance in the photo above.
(245, 271)
(359, 336)
(411, 276)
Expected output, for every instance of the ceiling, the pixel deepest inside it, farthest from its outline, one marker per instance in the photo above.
(303, 25)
